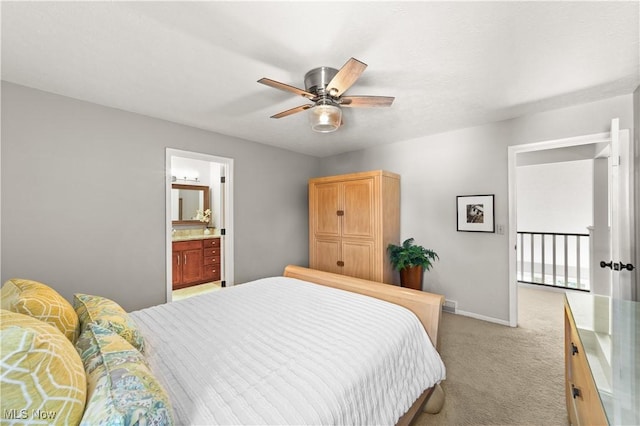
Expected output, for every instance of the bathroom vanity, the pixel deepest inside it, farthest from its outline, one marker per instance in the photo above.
(195, 260)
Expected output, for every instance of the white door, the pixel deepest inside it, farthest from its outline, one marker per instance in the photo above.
(621, 215)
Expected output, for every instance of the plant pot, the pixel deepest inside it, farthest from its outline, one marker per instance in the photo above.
(412, 277)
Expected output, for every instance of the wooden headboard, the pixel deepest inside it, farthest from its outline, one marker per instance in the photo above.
(426, 306)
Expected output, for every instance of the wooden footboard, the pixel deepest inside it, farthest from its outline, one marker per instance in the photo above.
(426, 306)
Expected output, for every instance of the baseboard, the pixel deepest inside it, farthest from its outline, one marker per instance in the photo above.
(482, 317)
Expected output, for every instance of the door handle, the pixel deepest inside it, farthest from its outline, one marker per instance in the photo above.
(617, 266)
(604, 264)
(628, 266)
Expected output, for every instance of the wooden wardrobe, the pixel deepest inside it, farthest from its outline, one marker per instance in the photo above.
(352, 219)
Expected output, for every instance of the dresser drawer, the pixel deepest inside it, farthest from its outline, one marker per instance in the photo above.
(211, 242)
(212, 260)
(583, 401)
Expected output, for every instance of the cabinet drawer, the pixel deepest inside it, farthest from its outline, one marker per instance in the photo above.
(211, 242)
(212, 260)
(212, 252)
(212, 272)
(187, 245)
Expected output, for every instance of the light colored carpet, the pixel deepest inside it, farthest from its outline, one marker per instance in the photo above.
(498, 375)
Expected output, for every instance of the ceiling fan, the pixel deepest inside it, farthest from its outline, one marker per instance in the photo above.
(324, 87)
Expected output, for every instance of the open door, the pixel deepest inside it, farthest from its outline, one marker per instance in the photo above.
(621, 211)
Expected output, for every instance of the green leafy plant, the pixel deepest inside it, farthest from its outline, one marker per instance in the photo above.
(409, 254)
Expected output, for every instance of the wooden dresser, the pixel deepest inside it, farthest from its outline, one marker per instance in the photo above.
(602, 360)
(195, 261)
(352, 219)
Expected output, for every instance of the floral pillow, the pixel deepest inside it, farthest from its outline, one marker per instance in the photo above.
(41, 302)
(42, 379)
(108, 314)
(121, 389)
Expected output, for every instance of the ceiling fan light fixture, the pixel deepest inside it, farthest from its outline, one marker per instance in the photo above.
(325, 117)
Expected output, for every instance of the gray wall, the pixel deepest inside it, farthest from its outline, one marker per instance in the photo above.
(73, 171)
(473, 269)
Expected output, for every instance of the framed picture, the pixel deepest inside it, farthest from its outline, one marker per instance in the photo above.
(475, 213)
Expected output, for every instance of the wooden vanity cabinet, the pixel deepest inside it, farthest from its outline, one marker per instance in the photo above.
(195, 262)
(211, 264)
(352, 219)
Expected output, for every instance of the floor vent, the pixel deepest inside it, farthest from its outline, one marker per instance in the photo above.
(450, 306)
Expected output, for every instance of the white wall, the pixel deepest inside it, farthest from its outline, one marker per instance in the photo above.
(65, 215)
(473, 269)
(555, 197)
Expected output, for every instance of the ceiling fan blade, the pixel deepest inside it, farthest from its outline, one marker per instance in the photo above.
(286, 87)
(292, 111)
(347, 75)
(366, 101)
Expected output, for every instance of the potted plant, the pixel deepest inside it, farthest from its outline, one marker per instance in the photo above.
(411, 261)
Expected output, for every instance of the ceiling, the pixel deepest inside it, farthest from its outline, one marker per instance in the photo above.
(448, 64)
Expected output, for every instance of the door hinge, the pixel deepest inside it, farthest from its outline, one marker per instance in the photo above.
(223, 179)
(223, 231)
(223, 283)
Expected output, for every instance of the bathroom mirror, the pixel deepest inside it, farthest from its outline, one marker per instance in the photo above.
(186, 200)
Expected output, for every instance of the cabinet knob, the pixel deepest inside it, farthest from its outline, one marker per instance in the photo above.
(340, 263)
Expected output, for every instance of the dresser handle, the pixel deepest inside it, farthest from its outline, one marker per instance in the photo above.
(574, 349)
(575, 392)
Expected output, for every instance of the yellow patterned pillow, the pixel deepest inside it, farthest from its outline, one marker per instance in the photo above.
(108, 314)
(41, 302)
(42, 379)
(121, 388)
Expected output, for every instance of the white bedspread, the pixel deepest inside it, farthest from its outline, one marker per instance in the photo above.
(284, 351)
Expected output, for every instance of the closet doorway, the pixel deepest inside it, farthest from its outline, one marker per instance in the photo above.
(210, 178)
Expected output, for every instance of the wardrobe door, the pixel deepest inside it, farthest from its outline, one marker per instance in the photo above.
(325, 209)
(358, 207)
(357, 258)
(325, 255)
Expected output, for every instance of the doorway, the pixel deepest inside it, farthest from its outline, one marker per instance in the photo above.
(517, 152)
(184, 169)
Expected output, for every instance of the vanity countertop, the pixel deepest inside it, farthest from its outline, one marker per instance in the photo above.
(175, 238)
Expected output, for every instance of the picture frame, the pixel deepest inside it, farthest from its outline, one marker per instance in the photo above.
(475, 213)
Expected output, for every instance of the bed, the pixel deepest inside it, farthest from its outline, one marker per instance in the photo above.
(296, 349)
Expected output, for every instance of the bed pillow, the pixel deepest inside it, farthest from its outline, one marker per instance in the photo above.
(42, 378)
(41, 302)
(108, 314)
(121, 388)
